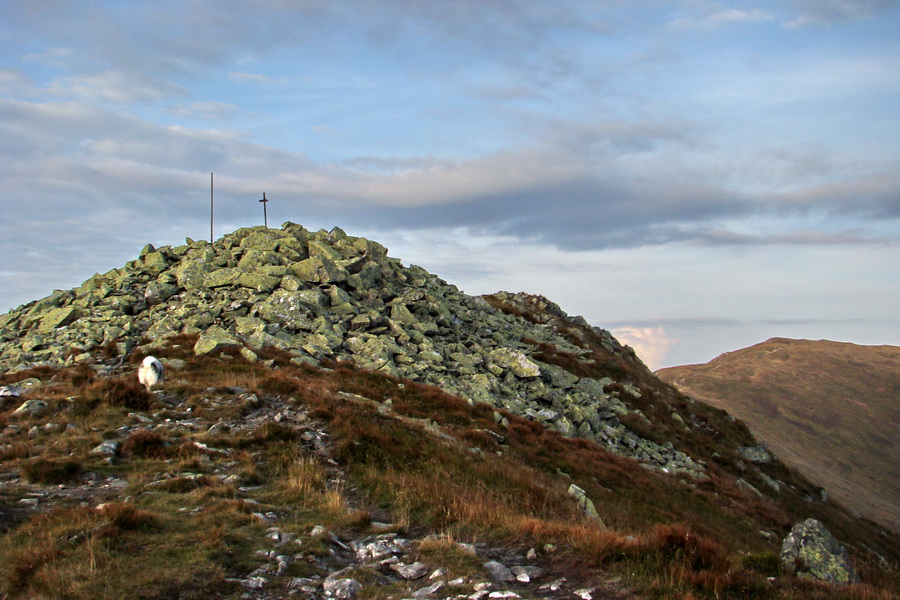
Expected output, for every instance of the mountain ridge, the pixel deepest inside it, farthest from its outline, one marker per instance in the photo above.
(429, 403)
(793, 394)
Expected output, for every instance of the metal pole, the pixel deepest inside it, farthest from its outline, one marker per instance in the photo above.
(265, 215)
(210, 208)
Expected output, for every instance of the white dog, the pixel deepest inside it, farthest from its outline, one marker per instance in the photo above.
(150, 373)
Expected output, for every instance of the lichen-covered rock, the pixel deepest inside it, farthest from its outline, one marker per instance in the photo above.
(499, 572)
(526, 573)
(191, 272)
(107, 448)
(155, 262)
(215, 339)
(319, 269)
(57, 317)
(32, 408)
(222, 277)
(585, 504)
(257, 257)
(258, 281)
(756, 454)
(810, 551)
(10, 391)
(411, 572)
(342, 589)
(517, 363)
(158, 291)
(372, 352)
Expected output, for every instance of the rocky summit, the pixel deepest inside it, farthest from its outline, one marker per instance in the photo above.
(334, 424)
(327, 295)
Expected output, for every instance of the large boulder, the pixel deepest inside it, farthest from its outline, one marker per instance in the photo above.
(191, 273)
(319, 269)
(215, 339)
(810, 551)
(585, 504)
(516, 362)
(155, 262)
(342, 589)
(32, 408)
(57, 317)
(756, 454)
(289, 310)
(258, 281)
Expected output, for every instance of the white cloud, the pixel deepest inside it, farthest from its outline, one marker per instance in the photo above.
(207, 110)
(56, 57)
(652, 344)
(16, 84)
(549, 193)
(256, 78)
(703, 14)
(818, 12)
(738, 16)
(325, 129)
(117, 86)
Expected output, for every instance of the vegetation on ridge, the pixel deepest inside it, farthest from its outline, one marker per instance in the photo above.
(320, 395)
(412, 455)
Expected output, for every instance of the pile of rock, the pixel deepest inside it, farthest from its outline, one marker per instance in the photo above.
(327, 295)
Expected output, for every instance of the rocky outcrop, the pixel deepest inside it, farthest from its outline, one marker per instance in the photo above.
(327, 295)
(810, 550)
(759, 455)
(585, 503)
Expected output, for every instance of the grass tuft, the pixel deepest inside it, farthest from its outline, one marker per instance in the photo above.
(145, 444)
(767, 564)
(677, 543)
(278, 383)
(125, 516)
(305, 477)
(125, 392)
(21, 566)
(51, 471)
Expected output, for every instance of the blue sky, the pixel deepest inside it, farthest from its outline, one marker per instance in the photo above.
(696, 176)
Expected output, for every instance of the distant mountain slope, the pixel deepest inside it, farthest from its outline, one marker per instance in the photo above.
(830, 409)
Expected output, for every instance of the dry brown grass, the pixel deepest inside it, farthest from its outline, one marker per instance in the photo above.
(145, 444)
(50, 471)
(125, 516)
(16, 450)
(278, 383)
(41, 372)
(305, 477)
(123, 391)
(81, 553)
(443, 549)
(668, 538)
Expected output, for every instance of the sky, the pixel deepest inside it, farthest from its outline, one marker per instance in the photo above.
(696, 176)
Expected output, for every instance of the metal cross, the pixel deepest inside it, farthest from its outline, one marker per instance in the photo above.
(265, 215)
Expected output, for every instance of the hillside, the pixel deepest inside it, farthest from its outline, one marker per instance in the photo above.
(830, 409)
(334, 423)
